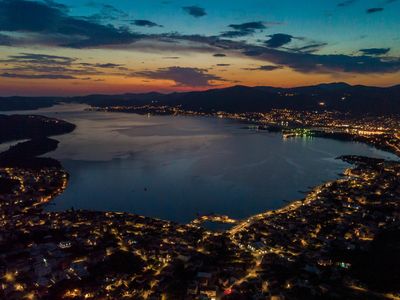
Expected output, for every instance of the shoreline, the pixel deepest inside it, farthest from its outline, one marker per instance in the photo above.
(235, 261)
(264, 122)
(287, 203)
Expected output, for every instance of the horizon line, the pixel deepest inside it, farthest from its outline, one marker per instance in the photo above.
(201, 90)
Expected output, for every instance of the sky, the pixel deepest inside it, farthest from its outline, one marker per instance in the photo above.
(78, 47)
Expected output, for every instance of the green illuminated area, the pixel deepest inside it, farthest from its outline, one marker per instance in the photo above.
(297, 132)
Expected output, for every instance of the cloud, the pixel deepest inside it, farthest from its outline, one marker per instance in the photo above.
(56, 5)
(33, 58)
(269, 68)
(223, 65)
(346, 3)
(240, 30)
(19, 15)
(37, 76)
(95, 34)
(310, 48)
(375, 51)
(235, 33)
(248, 26)
(306, 62)
(278, 40)
(183, 76)
(107, 13)
(37, 17)
(108, 65)
(38, 23)
(145, 23)
(328, 63)
(5, 40)
(219, 55)
(374, 10)
(195, 11)
(114, 11)
(43, 66)
(265, 68)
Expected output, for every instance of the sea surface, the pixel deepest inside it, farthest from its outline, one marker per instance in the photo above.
(175, 167)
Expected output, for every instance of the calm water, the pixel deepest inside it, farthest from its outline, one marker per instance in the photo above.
(174, 167)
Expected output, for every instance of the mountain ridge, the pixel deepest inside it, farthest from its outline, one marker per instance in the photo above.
(340, 96)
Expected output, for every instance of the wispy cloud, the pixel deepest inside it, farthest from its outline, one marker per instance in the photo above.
(375, 51)
(240, 30)
(374, 10)
(265, 68)
(145, 23)
(182, 76)
(108, 13)
(36, 76)
(346, 3)
(195, 11)
(310, 48)
(5, 40)
(43, 66)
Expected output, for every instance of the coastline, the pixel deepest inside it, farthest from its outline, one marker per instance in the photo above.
(290, 204)
(192, 244)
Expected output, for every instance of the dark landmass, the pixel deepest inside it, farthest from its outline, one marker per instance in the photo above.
(375, 142)
(24, 155)
(335, 96)
(340, 97)
(378, 265)
(7, 185)
(37, 129)
(26, 103)
(32, 148)
(17, 127)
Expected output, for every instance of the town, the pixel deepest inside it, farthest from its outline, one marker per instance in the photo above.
(382, 132)
(322, 246)
(199, 150)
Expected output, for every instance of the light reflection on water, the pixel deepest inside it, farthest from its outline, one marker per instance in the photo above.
(175, 167)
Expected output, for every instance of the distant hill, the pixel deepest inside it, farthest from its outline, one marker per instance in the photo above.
(25, 103)
(332, 96)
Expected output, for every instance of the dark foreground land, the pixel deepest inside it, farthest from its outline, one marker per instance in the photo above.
(340, 242)
(34, 129)
(17, 127)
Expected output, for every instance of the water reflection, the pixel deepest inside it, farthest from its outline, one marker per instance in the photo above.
(175, 167)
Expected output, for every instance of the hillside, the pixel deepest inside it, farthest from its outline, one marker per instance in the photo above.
(333, 96)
